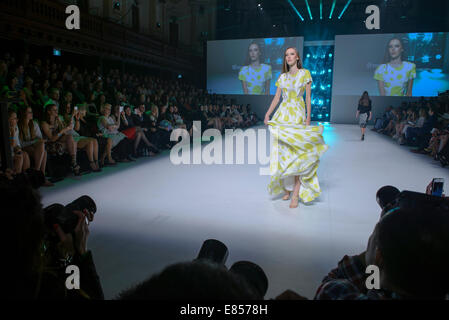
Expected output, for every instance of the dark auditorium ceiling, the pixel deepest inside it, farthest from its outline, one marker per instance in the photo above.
(251, 18)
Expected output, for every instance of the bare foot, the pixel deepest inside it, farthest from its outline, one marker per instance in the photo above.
(295, 202)
(287, 195)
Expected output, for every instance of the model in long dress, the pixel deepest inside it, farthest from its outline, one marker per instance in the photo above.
(297, 146)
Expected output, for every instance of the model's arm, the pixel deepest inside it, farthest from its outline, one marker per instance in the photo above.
(357, 114)
(381, 88)
(267, 87)
(309, 102)
(273, 105)
(410, 88)
(245, 87)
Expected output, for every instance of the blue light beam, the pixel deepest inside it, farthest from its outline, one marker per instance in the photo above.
(344, 9)
(333, 8)
(296, 10)
(308, 9)
(321, 9)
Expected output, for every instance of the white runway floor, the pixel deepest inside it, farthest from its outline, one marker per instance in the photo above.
(152, 213)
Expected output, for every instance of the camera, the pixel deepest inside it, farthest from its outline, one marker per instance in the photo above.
(216, 252)
(63, 215)
(437, 187)
(411, 200)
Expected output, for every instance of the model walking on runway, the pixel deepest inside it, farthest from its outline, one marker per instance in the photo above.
(364, 112)
(296, 153)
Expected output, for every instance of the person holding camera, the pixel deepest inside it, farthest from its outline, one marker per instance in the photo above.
(58, 137)
(109, 126)
(36, 272)
(410, 248)
(88, 144)
(129, 127)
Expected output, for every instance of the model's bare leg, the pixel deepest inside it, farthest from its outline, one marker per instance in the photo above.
(295, 197)
(287, 195)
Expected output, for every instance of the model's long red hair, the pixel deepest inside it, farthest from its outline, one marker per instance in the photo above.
(286, 67)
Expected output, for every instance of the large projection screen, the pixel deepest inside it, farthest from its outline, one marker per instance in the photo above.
(391, 67)
(230, 64)
(406, 65)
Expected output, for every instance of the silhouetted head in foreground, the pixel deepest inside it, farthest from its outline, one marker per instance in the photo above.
(197, 280)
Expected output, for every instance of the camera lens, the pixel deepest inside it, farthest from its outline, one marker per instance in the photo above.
(214, 251)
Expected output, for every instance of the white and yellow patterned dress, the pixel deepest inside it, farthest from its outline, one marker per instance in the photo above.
(297, 148)
(255, 78)
(396, 79)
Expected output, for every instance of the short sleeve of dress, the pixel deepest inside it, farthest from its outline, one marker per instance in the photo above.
(268, 74)
(280, 82)
(307, 77)
(379, 73)
(412, 73)
(242, 74)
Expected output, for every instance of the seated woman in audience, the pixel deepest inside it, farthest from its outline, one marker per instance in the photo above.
(21, 159)
(90, 145)
(28, 90)
(418, 123)
(58, 136)
(157, 134)
(43, 92)
(109, 126)
(179, 121)
(211, 120)
(134, 132)
(439, 140)
(405, 119)
(226, 116)
(143, 120)
(32, 142)
(165, 126)
(236, 117)
(396, 117)
(9, 90)
(85, 129)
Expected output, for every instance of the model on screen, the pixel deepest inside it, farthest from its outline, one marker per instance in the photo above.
(255, 76)
(296, 155)
(395, 77)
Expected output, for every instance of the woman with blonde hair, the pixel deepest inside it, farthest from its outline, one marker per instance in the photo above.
(58, 137)
(32, 142)
(109, 126)
(298, 146)
(90, 145)
(21, 160)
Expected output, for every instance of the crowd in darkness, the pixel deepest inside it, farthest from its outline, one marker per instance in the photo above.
(96, 118)
(422, 124)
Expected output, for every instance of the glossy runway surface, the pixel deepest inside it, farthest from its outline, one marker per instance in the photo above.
(152, 213)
